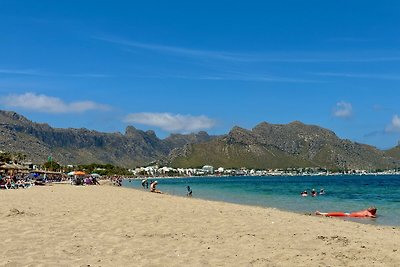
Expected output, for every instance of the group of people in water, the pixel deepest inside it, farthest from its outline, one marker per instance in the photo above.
(313, 193)
(367, 213)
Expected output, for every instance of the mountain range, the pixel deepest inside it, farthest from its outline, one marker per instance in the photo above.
(293, 145)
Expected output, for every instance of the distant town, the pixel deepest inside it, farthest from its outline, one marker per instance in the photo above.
(18, 163)
(209, 170)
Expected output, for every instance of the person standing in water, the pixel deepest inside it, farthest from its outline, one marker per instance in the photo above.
(144, 182)
(189, 191)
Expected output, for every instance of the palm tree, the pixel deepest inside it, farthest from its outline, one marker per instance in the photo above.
(5, 157)
(19, 157)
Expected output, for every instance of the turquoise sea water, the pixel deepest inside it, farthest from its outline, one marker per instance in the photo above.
(343, 193)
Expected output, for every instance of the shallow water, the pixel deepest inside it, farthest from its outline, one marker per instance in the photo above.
(343, 193)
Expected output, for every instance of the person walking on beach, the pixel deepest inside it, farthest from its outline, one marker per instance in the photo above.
(368, 213)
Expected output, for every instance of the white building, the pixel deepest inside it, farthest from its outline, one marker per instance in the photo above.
(207, 169)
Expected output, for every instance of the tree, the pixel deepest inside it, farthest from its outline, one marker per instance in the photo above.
(51, 166)
(15, 157)
(5, 156)
(19, 157)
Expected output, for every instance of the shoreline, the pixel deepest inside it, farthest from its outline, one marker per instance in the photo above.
(334, 200)
(283, 175)
(115, 226)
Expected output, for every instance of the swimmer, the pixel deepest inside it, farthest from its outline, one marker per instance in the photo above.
(313, 193)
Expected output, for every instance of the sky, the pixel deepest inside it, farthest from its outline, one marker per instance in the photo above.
(188, 66)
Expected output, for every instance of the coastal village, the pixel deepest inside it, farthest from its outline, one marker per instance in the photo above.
(30, 174)
(208, 170)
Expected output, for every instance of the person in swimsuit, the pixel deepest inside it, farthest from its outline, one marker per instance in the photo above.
(368, 213)
(189, 191)
(144, 181)
(153, 188)
(313, 193)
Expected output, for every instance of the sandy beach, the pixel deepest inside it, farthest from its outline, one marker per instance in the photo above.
(64, 225)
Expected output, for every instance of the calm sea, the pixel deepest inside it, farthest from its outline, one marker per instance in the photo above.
(342, 193)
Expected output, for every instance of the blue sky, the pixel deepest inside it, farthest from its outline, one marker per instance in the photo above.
(185, 66)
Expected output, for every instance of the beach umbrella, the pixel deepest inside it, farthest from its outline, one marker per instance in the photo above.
(7, 166)
(80, 173)
(12, 166)
(71, 173)
(95, 174)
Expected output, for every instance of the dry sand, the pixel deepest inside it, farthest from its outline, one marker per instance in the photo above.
(64, 225)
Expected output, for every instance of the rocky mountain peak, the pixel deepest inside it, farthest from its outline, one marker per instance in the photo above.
(240, 135)
(131, 131)
(151, 134)
(297, 123)
(265, 146)
(13, 117)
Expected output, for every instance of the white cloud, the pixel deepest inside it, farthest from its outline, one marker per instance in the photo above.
(277, 56)
(21, 72)
(395, 77)
(49, 104)
(33, 72)
(180, 51)
(394, 126)
(343, 110)
(171, 122)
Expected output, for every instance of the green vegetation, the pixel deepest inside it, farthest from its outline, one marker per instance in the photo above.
(102, 169)
(14, 157)
(394, 152)
(219, 154)
(52, 166)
